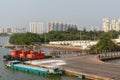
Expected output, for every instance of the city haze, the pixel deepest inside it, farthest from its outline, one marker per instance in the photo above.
(84, 13)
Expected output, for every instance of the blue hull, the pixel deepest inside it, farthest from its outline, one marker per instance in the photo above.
(33, 70)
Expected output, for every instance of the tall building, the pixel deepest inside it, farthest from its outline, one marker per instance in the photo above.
(113, 25)
(118, 25)
(32, 26)
(94, 28)
(1, 30)
(106, 25)
(59, 26)
(18, 30)
(5, 30)
(36, 27)
(12, 30)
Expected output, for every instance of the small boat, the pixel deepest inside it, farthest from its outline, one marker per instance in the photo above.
(17, 65)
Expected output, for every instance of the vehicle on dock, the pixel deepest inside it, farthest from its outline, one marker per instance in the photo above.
(17, 65)
(24, 55)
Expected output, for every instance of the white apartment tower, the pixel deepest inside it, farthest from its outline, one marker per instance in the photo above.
(118, 25)
(13, 30)
(36, 27)
(94, 28)
(106, 25)
(5, 30)
(113, 25)
(32, 26)
(1, 30)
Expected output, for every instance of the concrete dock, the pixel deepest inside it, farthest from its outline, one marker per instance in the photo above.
(92, 68)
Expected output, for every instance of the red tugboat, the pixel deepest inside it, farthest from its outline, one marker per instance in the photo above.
(15, 54)
(36, 55)
(24, 55)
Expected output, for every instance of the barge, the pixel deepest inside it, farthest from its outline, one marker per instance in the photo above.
(41, 70)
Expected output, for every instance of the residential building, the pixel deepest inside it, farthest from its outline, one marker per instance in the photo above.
(12, 30)
(59, 26)
(111, 25)
(106, 25)
(36, 27)
(1, 30)
(5, 30)
(94, 28)
(118, 25)
(18, 30)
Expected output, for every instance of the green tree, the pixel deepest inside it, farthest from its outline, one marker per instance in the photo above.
(25, 39)
(105, 44)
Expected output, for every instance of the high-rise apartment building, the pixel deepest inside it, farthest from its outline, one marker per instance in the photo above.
(106, 24)
(118, 25)
(18, 30)
(5, 30)
(1, 30)
(113, 25)
(12, 30)
(36, 27)
(59, 26)
(94, 28)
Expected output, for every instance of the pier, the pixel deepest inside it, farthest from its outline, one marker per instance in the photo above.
(92, 68)
(108, 56)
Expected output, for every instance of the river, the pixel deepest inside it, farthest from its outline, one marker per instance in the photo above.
(114, 61)
(7, 74)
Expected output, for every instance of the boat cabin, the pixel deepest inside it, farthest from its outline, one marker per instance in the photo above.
(11, 63)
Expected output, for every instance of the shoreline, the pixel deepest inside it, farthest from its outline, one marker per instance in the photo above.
(95, 66)
(90, 65)
(60, 47)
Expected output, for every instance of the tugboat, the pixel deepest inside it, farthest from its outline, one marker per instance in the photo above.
(17, 65)
(24, 55)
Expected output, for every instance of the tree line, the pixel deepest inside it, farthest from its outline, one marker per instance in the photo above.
(105, 42)
(32, 38)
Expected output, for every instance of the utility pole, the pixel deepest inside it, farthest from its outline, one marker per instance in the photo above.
(45, 38)
(80, 35)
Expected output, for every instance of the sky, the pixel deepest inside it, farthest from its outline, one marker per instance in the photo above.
(84, 13)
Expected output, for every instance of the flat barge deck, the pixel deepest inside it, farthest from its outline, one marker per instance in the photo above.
(16, 65)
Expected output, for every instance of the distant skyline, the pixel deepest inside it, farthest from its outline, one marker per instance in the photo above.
(84, 13)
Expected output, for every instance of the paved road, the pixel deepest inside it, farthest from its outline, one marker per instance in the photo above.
(91, 65)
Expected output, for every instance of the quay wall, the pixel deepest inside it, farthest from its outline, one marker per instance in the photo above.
(92, 67)
(87, 76)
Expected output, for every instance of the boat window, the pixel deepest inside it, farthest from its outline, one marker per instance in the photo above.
(56, 69)
(16, 62)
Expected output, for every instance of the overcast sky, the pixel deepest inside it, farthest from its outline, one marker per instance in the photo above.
(84, 13)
